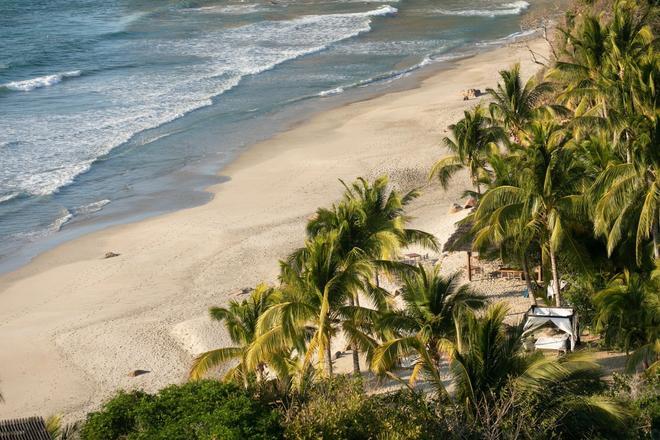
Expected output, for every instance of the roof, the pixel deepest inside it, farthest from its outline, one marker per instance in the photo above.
(461, 239)
(32, 428)
(547, 311)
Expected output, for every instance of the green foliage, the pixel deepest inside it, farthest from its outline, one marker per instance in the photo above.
(628, 310)
(240, 319)
(431, 314)
(642, 394)
(196, 410)
(580, 295)
(340, 409)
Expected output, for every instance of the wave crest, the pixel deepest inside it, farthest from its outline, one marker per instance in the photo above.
(40, 81)
(514, 8)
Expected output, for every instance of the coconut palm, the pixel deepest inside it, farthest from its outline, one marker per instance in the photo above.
(491, 365)
(547, 194)
(515, 104)
(474, 138)
(431, 313)
(370, 222)
(487, 357)
(60, 431)
(381, 228)
(584, 63)
(609, 67)
(310, 309)
(240, 320)
(628, 310)
(627, 197)
(513, 237)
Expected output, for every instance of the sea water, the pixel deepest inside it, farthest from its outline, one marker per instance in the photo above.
(112, 110)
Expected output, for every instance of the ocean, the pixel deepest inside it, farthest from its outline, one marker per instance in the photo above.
(115, 110)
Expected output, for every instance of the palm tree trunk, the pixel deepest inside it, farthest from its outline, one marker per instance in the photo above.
(354, 348)
(656, 242)
(555, 277)
(459, 332)
(328, 355)
(528, 280)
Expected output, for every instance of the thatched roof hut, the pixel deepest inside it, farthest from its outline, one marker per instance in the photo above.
(32, 428)
(461, 239)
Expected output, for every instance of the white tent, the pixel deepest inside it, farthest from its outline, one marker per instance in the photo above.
(563, 318)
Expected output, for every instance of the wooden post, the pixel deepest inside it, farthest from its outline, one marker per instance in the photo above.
(469, 265)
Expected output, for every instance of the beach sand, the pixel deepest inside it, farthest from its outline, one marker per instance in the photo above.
(73, 325)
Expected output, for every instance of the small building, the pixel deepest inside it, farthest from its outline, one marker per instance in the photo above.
(31, 428)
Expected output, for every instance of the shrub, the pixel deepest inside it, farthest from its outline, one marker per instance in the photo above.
(195, 410)
(340, 409)
(642, 392)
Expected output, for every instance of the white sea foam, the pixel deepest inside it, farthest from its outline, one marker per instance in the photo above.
(9, 196)
(40, 81)
(90, 207)
(60, 221)
(59, 146)
(335, 91)
(514, 8)
(64, 216)
(229, 9)
(509, 38)
(387, 77)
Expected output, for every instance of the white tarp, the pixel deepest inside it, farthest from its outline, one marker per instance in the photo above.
(551, 287)
(562, 318)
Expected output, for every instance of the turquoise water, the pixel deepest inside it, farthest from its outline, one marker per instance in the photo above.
(113, 110)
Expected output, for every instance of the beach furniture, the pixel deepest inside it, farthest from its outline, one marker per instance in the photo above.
(564, 319)
(558, 343)
(511, 274)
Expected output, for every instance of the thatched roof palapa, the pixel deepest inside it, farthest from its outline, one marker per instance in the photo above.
(462, 238)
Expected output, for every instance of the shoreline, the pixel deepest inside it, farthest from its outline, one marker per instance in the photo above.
(187, 187)
(74, 324)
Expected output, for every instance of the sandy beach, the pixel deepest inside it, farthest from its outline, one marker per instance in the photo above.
(73, 324)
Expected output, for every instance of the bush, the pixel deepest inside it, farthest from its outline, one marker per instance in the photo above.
(340, 409)
(196, 410)
(642, 392)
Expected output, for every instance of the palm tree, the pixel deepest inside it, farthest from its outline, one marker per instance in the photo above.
(628, 197)
(310, 308)
(370, 222)
(491, 366)
(628, 310)
(371, 218)
(488, 356)
(432, 310)
(609, 67)
(240, 320)
(59, 431)
(475, 136)
(546, 196)
(512, 237)
(515, 104)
